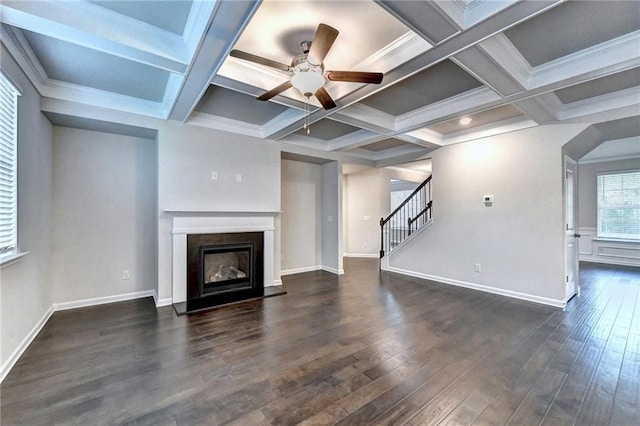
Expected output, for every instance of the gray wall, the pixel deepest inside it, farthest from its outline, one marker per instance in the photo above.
(519, 241)
(25, 286)
(301, 219)
(587, 204)
(332, 217)
(187, 155)
(104, 214)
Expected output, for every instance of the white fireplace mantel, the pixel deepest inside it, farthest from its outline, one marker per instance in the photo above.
(185, 222)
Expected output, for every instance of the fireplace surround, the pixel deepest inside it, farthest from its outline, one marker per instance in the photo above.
(186, 223)
(224, 268)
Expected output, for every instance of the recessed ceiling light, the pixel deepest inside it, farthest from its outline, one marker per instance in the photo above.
(465, 120)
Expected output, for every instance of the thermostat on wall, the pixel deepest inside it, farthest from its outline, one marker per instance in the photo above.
(488, 200)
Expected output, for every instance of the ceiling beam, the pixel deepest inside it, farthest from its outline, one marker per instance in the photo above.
(225, 26)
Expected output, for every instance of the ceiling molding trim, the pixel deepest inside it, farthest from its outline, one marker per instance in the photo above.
(453, 10)
(200, 16)
(416, 141)
(283, 119)
(399, 151)
(477, 11)
(542, 109)
(464, 103)
(102, 99)
(14, 42)
(597, 61)
(354, 140)
(78, 23)
(225, 124)
(625, 101)
(492, 129)
(484, 69)
(225, 27)
(371, 118)
(500, 49)
(400, 159)
(306, 142)
(428, 136)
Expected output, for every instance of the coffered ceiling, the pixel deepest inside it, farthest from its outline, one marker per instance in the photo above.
(505, 64)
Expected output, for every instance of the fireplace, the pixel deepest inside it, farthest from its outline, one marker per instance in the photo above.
(224, 268)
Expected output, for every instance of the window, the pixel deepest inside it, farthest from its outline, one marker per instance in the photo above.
(8, 166)
(619, 205)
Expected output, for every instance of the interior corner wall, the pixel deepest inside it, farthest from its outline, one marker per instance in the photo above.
(332, 217)
(105, 214)
(187, 156)
(367, 198)
(25, 286)
(301, 220)
(519, 240)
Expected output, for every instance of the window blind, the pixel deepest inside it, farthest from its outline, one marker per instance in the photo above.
(619, 205)
(8, 165)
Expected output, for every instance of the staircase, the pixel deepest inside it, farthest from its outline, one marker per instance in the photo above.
(407, 218)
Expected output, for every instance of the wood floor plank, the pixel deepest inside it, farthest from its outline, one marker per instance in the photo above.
(363, 348)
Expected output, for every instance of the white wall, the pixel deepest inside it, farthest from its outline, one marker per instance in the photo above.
(591, 249)
(187, 156)
(301, 220)
(368, 195)
(104, 214)
(25, 286)
(519, 241)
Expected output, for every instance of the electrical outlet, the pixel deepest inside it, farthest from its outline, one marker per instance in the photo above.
(125, 275)
(214, 175)
(365, 244)
(238, 177)
(477, 267)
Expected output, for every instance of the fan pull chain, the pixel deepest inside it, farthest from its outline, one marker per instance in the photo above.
(306, 116)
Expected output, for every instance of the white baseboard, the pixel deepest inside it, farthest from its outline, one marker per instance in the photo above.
(17, 353)
(333, 270)
(487, 289)
(300, 270)
(367, 255)
(102, 300)
(275, 283)
(610, 261)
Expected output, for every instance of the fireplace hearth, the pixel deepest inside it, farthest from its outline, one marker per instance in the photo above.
(224, 268)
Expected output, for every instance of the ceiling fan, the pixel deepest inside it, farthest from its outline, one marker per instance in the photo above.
(307, 71)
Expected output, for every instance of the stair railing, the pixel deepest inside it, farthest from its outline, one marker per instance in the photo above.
(407, 218)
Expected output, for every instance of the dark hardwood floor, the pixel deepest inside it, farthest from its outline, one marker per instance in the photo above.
(364, 348)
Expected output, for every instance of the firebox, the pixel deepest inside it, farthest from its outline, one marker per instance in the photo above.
(224, 268)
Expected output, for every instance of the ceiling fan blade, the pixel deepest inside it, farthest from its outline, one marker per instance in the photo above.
(259, 60)
(275, 91)
(325, 99)
(355, 76)
(322, 42)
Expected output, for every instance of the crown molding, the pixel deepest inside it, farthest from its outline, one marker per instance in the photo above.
(463, 103)
(603, 59)
(622, 100)
(225, 124)
(361, 115)
(355, 140)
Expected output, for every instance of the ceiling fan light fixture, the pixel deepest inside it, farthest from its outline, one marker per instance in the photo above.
(307, 81)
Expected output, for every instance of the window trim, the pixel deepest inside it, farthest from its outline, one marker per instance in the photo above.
(598, 236)
(12, 253)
